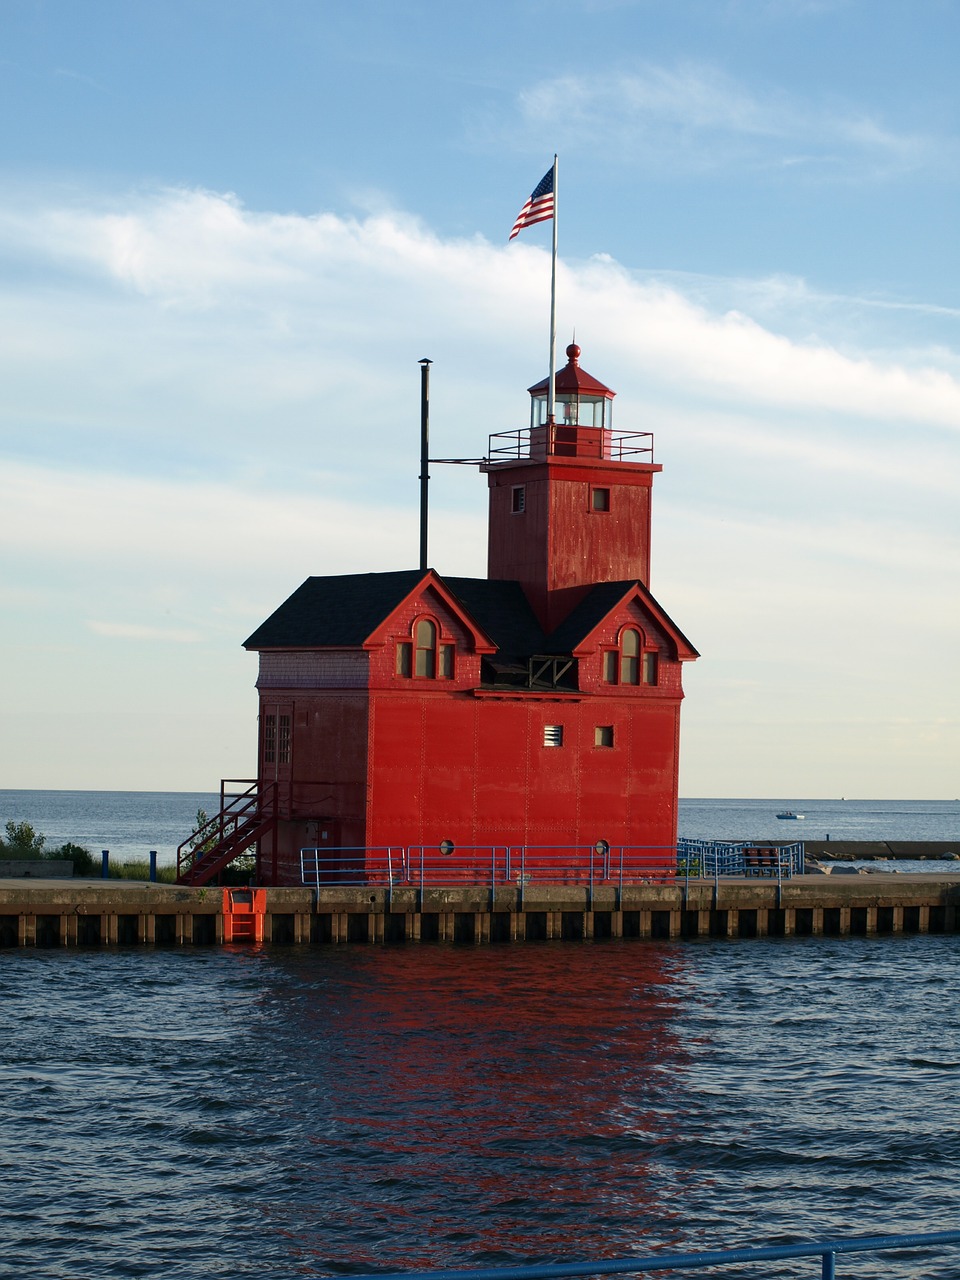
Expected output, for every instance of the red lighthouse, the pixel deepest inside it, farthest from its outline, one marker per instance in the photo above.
(537, 708)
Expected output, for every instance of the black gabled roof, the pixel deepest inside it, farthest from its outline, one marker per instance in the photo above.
(504, 613)
(343, 610)
(591, 611)
(339, 610)
(595, 606)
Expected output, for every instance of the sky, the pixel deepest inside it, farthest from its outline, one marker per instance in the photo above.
(229, 230)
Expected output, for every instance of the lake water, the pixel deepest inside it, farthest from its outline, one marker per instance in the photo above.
(279, 1113)
(275, 1113)
(823, 819)
(130, 823)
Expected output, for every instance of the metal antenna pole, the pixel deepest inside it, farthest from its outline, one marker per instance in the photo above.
(551, 408)
(424, 455)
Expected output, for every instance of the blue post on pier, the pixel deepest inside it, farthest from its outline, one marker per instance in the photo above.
(104, 863)
(153, 866)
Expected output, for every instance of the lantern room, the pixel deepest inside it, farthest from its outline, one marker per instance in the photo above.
(580, 401)
(582, 425)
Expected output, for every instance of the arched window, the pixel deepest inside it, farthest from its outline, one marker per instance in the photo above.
(633, 661)
(630, 657)
(425, 644)
(425, 654)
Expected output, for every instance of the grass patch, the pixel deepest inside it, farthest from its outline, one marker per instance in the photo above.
(139, 869)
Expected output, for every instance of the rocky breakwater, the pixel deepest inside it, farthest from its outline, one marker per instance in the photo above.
(834, 856)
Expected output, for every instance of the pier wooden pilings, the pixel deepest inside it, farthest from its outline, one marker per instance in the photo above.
(78, 913)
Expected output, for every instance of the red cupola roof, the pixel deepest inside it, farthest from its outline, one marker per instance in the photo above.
(573, 380)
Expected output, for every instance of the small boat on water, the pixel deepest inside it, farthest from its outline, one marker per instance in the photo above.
(788, 813)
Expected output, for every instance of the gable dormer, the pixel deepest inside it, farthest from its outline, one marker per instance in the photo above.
(625, 642)
(429, 640)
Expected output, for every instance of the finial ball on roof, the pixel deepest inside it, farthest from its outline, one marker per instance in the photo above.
(573, 353)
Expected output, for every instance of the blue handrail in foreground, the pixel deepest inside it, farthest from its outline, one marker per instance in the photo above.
(826, 1250)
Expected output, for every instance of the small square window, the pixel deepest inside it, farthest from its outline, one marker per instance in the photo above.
(553, 735)
(603, 735)
(518, 499)
(600, 499)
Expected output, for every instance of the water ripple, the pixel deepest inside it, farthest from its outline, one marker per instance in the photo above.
(278, 1114)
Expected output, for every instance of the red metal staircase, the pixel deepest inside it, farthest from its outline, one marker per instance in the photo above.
(243, 819)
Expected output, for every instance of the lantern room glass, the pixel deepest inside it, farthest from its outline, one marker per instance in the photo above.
(572, 410)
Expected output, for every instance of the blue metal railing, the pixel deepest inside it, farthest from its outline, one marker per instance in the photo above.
(825, 1250)
(711, 859)
(489, 866)
(589, 866)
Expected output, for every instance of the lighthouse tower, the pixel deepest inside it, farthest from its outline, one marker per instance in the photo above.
(569, 499)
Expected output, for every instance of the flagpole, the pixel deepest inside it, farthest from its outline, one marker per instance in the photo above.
(553, 304)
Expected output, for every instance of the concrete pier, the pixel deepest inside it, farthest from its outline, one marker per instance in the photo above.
(96, 913)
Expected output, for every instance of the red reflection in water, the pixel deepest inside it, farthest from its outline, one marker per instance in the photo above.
(496, 1104)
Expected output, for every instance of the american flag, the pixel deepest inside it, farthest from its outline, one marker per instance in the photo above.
(539, 208)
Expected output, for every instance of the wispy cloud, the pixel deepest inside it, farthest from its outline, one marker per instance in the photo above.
(85, 514)
(695, 116)
(281, 305)
(203, 404)
(64, 73)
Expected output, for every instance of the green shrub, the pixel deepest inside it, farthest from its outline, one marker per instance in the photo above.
(22, 841)
(82, 859)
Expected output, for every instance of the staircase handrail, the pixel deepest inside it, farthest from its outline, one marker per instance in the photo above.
(223, 826)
